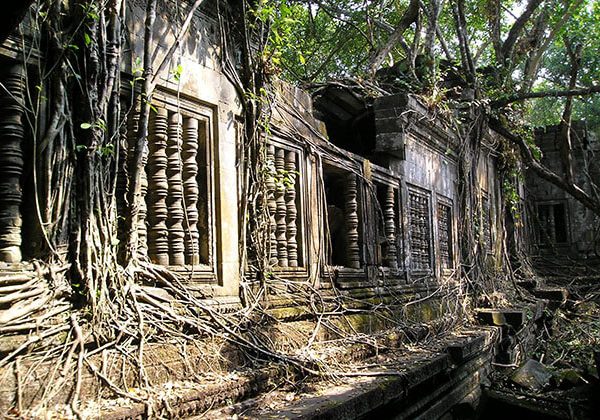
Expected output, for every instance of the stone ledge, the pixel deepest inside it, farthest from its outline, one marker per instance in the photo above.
(427, 387)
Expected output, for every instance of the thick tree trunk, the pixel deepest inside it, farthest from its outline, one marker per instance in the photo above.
(135, 190)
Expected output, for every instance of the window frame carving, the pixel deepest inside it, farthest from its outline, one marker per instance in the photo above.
(207, 122)
(427, 195)
(302, 229)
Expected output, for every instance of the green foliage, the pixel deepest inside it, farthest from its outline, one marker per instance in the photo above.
(177, 72)
(583, 28)
(137, 72)
(100, 124)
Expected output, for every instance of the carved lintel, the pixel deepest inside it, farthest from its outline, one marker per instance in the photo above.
(291, 214)
(11, 163)
(351, 214)
(175, 217)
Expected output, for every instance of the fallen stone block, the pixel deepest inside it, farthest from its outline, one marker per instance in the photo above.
(532, 375)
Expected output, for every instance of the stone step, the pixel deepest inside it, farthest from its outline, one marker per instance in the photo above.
(512, 317)
(558, 294)
(528, 284)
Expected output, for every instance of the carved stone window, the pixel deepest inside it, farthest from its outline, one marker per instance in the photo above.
(177, 184)
(419, 230)
(284, 204)
(343, 217)
(444, 224)
(388, 226)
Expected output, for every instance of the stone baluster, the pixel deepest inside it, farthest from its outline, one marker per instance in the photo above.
(351, 214)
(11, 163)
(132, 130)
(291, 214)
(280, 213)
(271, 206)
(143, 212)
(390, 228)
(158, 242)
(175, 193)
(191, 190)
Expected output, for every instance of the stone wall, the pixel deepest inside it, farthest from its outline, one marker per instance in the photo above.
(560, 224)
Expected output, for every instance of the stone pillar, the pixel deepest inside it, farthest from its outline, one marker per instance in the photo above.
(11, 163)
(158, 242)
(175, 192)
(390, 228)
(351, 214)
(280, 214)
(291, 213)
(271, 206)
(191, 190)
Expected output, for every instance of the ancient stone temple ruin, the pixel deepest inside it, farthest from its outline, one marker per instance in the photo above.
(363, 208)
(561, 225)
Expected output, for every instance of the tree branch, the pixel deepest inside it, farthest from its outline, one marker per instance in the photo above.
(517, 28)
(575, 191)
(545, 94)
(535, 58)
(407, 19)
(463, 41)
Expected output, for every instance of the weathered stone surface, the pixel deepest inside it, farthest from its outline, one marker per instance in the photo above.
(532, 375)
